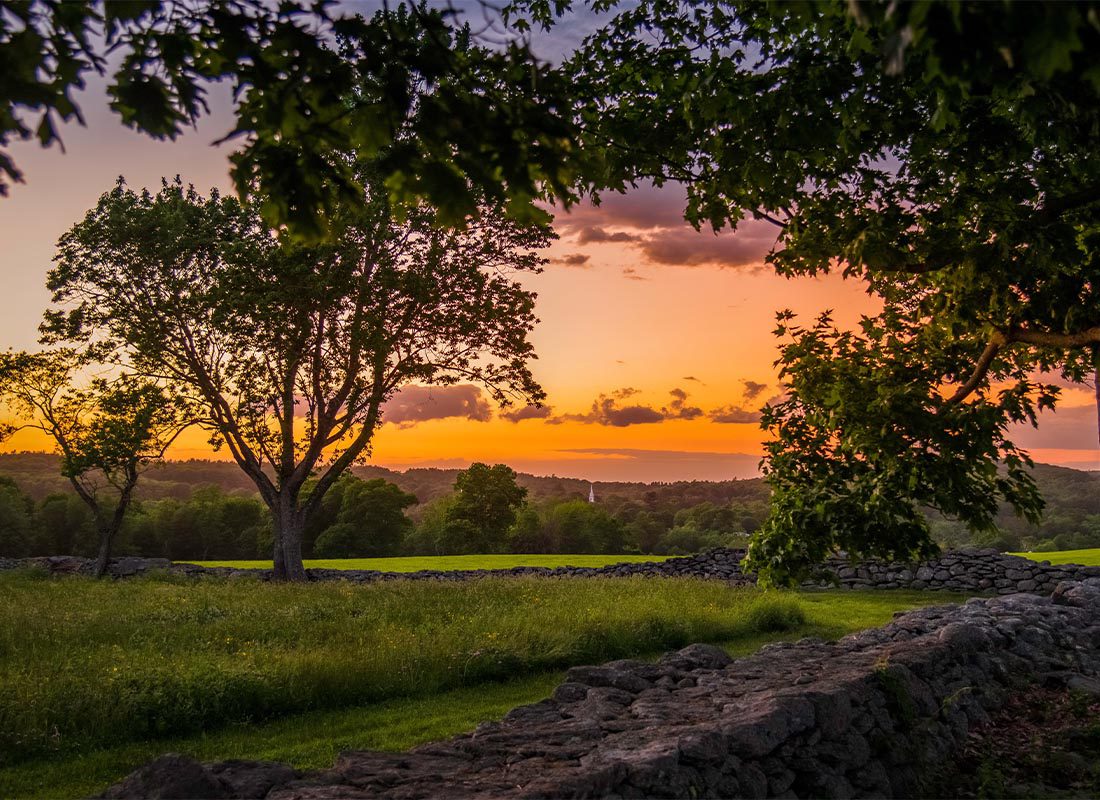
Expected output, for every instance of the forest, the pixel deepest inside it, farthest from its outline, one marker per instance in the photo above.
(206, 510)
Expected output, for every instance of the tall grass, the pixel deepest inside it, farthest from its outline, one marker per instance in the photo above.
(88, 664)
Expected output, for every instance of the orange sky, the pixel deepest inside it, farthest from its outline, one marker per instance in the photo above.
(654, 307)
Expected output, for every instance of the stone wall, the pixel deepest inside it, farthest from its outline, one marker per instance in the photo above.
(970, 571)
(872, 715)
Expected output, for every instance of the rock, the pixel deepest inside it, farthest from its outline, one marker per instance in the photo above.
(697, 656)
(252, 779)
(170, 777)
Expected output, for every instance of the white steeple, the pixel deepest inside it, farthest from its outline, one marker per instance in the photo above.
(591, 493)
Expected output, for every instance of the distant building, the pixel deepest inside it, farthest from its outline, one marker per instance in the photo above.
(591, 493)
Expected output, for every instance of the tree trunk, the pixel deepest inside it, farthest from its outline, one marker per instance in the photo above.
(106, 539)
(289, 525)
(278, 563)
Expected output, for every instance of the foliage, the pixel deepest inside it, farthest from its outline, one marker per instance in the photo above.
(943, 153)
(64, 526)
(482, 510)
(362, 519)
(292, 350)
(106, 434)
(453, 121)
(16, 510)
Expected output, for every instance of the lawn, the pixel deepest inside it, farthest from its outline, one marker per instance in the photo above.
(1083, 557)
(98, 677)
(417, 563)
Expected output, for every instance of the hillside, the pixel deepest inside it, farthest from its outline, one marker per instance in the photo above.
(38, 475)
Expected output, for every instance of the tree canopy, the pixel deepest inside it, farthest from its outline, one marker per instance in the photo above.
(291, 350)
(453, 120)
(944, 153)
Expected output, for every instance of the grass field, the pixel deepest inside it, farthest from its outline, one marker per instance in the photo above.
(1083, 557)
(98, 677)
(417, 563)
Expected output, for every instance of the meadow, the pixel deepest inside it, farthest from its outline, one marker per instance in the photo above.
(418, 563)
(1084, 557)
(98, 677)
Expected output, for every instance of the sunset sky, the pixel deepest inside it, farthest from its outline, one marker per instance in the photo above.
(655, 345)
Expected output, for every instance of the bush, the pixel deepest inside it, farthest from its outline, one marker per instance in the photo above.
(775, 614)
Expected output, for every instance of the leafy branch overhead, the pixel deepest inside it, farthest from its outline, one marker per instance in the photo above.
(947, 155)
(454, 121)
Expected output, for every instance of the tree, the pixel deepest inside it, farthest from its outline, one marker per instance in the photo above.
(107, 434)
(484, 508)
(309, 80)
(577, 526)
(16, 519)
(946, 154)
(365, 519)
(291, 350)
(65, 526)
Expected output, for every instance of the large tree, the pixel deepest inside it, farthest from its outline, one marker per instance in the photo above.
(310, 79)
(291, 350)
(946, 154)
(107, 433)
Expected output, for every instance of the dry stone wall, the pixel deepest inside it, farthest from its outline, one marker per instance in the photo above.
(970, 571)
(872, 715)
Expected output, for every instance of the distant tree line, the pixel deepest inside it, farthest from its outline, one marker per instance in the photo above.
(482, 510)
(486, 512)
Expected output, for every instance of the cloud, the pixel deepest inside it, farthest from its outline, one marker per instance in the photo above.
(631, 274)
(574, 260)
(753, 389)
(527, 412)
(590, 234)
(414, 404)
(678, 408)
(734, 414)
(687, 247)
(608, 410)
(651, 220)
(692, 378)
(1067, 428)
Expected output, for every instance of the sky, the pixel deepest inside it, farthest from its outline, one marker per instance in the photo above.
(655, 343)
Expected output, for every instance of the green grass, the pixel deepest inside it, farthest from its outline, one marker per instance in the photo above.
(1083, 557)
(417, 563)
(309, 741)
(99, 677)
(88, 663)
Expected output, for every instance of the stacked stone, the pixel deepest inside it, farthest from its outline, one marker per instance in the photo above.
(873, 715)
(977, 571)
(970, 571)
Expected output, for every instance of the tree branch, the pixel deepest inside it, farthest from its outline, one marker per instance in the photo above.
(996, 342)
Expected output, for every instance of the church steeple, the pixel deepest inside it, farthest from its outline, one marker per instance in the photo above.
(591, 493)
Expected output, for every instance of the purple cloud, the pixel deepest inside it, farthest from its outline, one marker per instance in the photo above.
(753, 389)
(574, 260)
(527, 412)
(606, 410)
(414, 404)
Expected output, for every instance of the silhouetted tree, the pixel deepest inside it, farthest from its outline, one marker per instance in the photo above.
(107, 434)
(291, 351)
